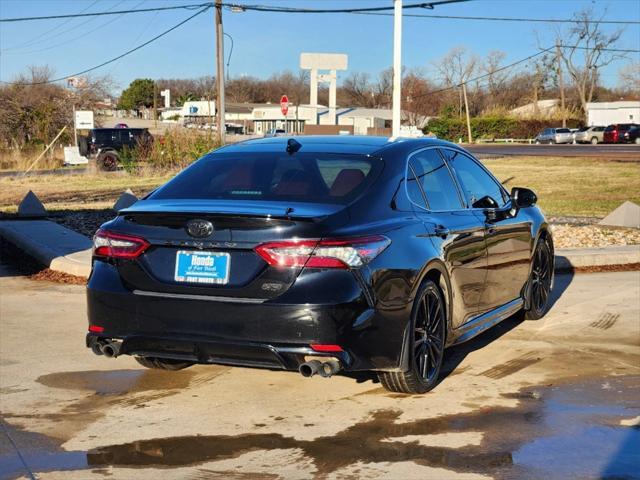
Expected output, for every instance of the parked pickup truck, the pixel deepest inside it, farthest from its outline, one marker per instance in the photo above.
(106, 144)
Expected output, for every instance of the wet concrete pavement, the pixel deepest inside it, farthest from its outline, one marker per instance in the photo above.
(554, 399)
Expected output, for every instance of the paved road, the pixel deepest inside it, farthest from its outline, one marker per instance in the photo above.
(551, 399)
(605, 152)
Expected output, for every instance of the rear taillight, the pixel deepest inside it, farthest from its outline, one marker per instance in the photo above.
(328, 253)
(117, 245)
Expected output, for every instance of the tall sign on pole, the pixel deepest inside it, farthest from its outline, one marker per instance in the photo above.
(220, 72)
(323, 61)
(284, 108)
(397, 68)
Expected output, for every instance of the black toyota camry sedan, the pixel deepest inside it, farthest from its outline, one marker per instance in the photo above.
(321, 255)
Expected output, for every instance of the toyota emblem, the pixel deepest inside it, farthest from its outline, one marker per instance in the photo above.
(199, 228)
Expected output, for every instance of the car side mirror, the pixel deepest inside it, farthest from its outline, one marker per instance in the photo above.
(523, 197)
(485, 202)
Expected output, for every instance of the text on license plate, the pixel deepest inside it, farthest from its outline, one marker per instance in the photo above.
(202, 267)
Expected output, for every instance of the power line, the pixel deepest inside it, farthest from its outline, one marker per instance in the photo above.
(243, 7)
(517, 62)
(199, 12)
(480, 77)
(506, 19)
(72, 39)
(35, 40)
(359, 10)
(114, 12)
(274, 9)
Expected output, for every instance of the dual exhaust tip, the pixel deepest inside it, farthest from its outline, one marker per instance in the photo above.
(108, 348)
(324, 369)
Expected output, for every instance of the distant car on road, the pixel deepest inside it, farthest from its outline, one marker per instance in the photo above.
(554, 135)
(121, 125)
(106, 144)
(632, 135)
(593, 135)
(621, 133)
(275, 132)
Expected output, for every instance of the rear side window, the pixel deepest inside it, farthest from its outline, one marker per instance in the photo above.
(474, 180)
(303, 177)
(563, 130)
(610, 128)
(429, 180)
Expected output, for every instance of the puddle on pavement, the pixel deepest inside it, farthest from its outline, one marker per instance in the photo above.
(572, 430)
(104, 389)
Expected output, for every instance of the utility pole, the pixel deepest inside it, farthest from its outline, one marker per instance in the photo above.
(397, 68)
(561, 84)
(466, 109)
(220, 72)
(155, 104)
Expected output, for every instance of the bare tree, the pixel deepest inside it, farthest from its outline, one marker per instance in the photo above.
(418, 102)
(585, 51)
(495, 77)
(629, 78)
(456, 68)
(357, 91)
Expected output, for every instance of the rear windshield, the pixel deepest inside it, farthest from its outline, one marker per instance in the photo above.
(302, 177)
(563, 130)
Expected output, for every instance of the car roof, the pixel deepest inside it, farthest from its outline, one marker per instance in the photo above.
(353, 144)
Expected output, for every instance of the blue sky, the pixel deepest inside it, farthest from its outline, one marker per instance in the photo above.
(268, 42)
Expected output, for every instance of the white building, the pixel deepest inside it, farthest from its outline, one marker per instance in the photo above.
(361, 119)
(607, 113)
(541, 108)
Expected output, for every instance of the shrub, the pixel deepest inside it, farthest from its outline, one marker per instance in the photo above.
(176, 149)
(492, 127)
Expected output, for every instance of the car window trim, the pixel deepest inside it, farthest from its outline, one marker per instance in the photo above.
(406, 182)
(486, 170)
(415, 176)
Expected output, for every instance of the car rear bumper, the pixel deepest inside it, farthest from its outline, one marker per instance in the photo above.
(270, 334)
(200, 349)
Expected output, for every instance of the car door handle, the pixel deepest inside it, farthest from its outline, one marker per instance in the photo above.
(441, 231)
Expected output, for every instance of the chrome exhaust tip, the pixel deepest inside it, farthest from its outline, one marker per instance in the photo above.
(309, 369)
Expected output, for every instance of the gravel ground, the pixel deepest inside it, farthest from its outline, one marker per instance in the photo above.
(591, 236)
(85, 222)
(568, 232)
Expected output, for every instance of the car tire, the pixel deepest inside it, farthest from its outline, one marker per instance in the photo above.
(540, 279)
(83, 146)
(108, 161)
(428, 319)
(594, 140)
(637, 141)
(537, 142)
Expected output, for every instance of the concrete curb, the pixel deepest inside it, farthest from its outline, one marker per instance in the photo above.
(55, 246)
(569, 258)
(66, 251)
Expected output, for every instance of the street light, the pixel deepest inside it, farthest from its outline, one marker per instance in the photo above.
(230, 52)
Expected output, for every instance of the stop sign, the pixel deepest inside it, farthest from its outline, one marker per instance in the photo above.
(284, 105)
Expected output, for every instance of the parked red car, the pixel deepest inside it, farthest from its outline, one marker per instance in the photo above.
(616, 133)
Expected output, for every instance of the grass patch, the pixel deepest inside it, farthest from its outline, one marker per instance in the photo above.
(565, 186)
(77, 191)
(571, 186)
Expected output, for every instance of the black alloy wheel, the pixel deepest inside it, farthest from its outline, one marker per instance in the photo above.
(427, 340)
(108, 162)
(540, 281)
